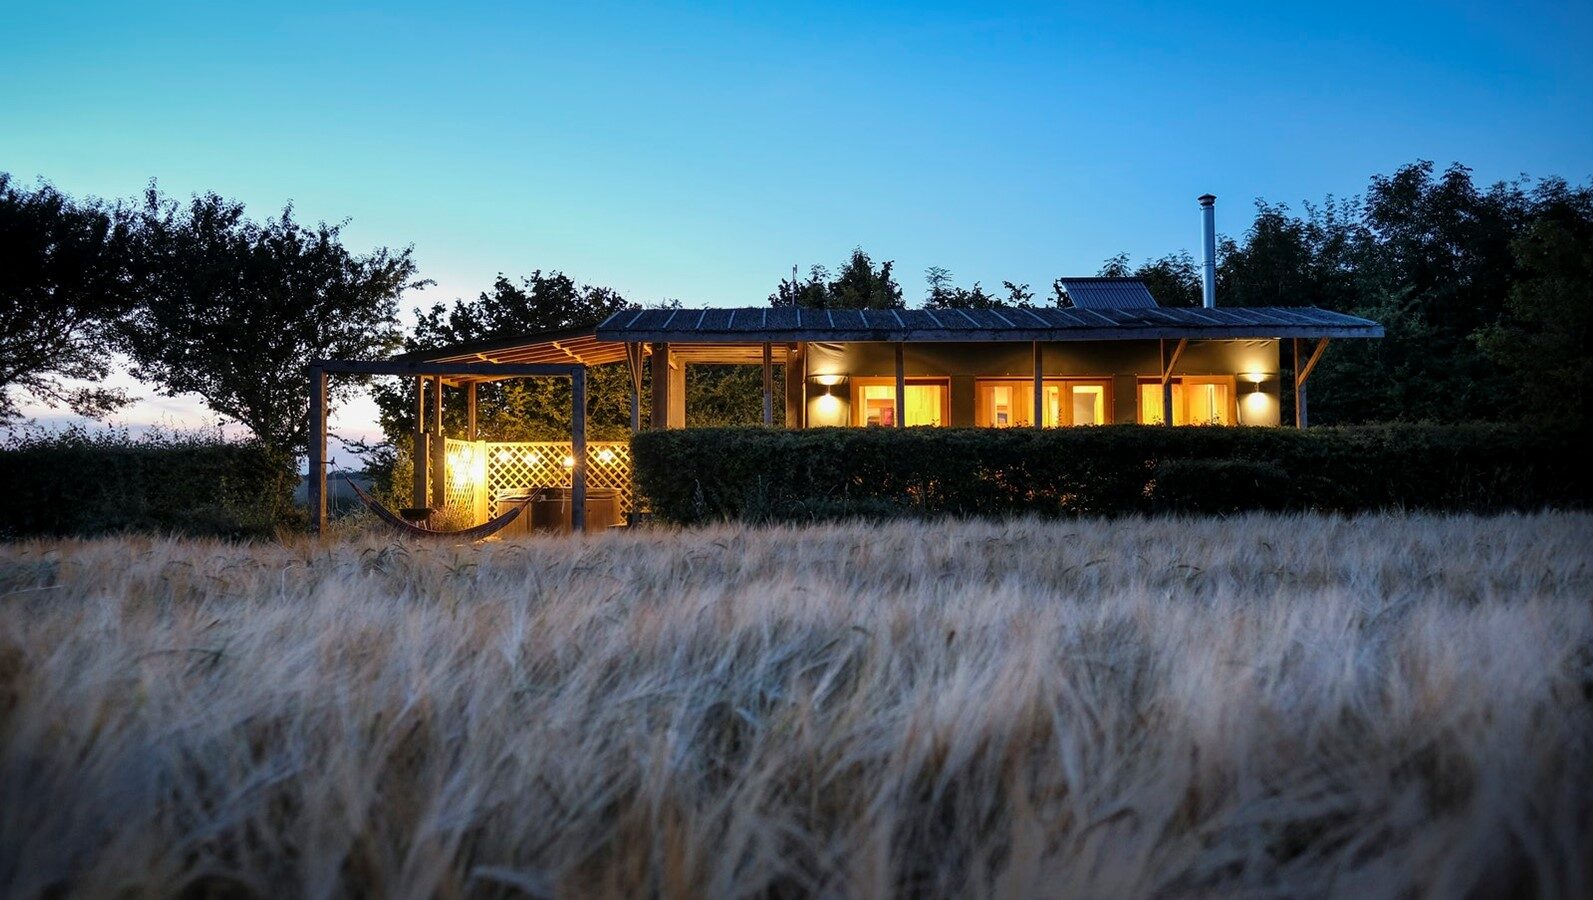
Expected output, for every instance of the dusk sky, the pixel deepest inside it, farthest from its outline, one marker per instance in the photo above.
(699, 152)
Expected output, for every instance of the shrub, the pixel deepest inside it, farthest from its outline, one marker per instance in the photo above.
(696, 475)
(1219, 485)
(82, 483)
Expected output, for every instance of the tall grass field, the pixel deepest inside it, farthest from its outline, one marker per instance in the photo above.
(1384, 706)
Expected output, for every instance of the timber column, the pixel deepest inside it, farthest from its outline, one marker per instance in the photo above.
(669, 389)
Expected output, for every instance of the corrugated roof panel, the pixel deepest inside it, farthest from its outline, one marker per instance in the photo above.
(923, 319)
(1107, 293)
(782, 318)
(848, 318)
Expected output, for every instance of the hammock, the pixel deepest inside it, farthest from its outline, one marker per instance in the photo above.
(479, 532)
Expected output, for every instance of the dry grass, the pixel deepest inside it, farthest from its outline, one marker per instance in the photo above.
(1260, 706)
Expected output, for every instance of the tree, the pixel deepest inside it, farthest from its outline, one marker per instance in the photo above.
(858, 285)
(64, 283)
(943, 294)
(233, 310)
(1545, 337)
(812, 292)
(1173, 280)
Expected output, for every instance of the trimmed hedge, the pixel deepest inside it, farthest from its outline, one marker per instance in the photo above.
(78, 483)
(754, 474)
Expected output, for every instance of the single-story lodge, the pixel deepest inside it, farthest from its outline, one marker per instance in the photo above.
(1114, 356)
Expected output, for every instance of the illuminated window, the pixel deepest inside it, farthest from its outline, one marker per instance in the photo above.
(1005, 402)
(874, 402)
(1196, 401)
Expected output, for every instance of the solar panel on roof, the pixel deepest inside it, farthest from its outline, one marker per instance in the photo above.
(1107, 293)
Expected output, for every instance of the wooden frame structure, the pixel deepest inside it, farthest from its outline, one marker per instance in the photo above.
(1301, 373)
(466, 373)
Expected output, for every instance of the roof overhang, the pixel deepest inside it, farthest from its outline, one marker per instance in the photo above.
(737, 336)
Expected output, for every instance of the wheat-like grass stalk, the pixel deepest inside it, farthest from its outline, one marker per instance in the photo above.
(1274, 705)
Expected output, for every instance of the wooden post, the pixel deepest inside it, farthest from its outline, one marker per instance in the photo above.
(633, 361)
(661, 398)
(1168, 363)
(439, 448)
(479, 489)
(901, 386)
(470, 412)
(1299, 388)
(768, 384)
(421, 452)
(795, 386)
(1167, 386)
(578, 449)
(317, 463)
(1039, 388)
(802, 387)
(1301, 373)
(437, 407)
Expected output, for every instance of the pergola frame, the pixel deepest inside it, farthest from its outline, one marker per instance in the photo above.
(469, 374)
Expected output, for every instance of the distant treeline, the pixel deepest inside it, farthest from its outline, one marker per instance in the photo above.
(1486, 293)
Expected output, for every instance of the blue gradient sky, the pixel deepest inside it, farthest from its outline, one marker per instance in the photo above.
(698, 152)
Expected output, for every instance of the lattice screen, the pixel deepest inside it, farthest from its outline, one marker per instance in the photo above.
(479, 473)
(512, 468)
(466, 474)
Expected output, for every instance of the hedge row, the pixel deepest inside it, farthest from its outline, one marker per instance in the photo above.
(79, 483)
(753, 474)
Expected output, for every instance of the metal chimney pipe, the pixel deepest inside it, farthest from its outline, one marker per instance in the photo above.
(1208, 241)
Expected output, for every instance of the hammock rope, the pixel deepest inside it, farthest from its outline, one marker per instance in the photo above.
(480, 532)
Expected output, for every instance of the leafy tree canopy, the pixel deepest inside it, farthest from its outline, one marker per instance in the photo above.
(943, 293)
(234, 310)
(858, 285)
(64, 283)
(1174, 279)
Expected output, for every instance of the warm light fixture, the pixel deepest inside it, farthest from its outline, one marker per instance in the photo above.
(569, 462)
(1254, 377)
(829, 380)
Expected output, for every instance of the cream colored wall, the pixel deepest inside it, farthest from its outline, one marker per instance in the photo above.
(1123, 362)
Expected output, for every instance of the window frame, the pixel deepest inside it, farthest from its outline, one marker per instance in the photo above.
(859, 415)
(1229, 381)
(982, 413)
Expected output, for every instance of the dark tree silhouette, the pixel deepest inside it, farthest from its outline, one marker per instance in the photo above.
(64, 283)
(234, 310)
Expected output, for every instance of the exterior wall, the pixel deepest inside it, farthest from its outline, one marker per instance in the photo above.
(1121, 362)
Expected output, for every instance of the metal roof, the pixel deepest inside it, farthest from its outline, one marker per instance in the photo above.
(776, 324)
(737, 335)
(1107, 293)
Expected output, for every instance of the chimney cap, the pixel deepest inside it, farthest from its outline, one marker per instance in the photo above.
(1207, 199)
